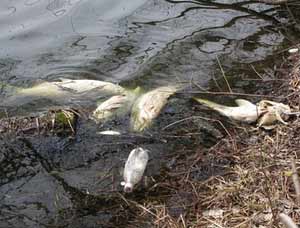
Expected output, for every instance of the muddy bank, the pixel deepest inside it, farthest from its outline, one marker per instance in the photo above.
(74, 179)
(58, 180)
(252, 179)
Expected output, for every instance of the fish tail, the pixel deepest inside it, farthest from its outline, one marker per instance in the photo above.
(11, 89)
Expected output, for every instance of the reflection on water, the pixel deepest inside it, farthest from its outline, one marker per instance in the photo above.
(120, 41)
(62, 181)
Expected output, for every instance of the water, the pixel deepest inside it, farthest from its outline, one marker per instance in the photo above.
(75, 182)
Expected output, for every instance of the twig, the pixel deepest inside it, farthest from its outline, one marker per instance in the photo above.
(267, 187)
(68, 116)
(123, 198)
(287, 221)
(296, 180)
(203, 118)
(182, 220)
(224, 76)
(291, 14)
(198, 86)
(213, 222)
(216, 83)
(37, 124)
(246, 221)
(230, 94)
(258, 74)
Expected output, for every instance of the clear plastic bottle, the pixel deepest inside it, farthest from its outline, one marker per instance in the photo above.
(134, 168)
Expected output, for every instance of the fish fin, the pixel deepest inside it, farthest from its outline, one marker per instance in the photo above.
(138, 90)
(243, 102)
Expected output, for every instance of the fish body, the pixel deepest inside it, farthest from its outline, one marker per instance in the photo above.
(71, 86)
(63, 90)
(148, 106)
(45, 89)
(115, 105)
(109, 107)
(21, 96)
(244, 112)
(134, 168)
(84, 85)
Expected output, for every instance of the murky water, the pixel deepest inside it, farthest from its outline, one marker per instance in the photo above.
(74, 182)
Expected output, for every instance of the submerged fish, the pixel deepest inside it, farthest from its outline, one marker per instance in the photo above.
(148, 106)
(244, 112)
(84, 85)
(62, 90)
(134, 168)
(115, 105)
(74, 86)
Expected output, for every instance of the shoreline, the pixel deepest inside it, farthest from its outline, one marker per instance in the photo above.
(255, 184)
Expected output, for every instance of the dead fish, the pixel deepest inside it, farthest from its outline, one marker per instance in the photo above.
(58, 88)
(109, 107)
(62, 90)
(115, 105)
(134, 168)
(84, 85)
(148, 106)
(244, 112)
(8, 89)
(45, 89)
(272, 112)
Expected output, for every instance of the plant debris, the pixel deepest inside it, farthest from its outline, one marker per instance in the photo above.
(255, 186)
(60, 122)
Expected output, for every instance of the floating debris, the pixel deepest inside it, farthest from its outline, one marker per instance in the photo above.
(149, 105)
(293, 50)
(271, 113)
(244, 112)
(134, 168)
(115, 105)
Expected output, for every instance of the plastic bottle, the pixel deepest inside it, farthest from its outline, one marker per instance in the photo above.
(134, 168)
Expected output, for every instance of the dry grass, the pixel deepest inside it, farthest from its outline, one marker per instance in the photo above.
(256, 182)
(56, 121)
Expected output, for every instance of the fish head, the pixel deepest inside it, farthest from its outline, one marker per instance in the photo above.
(128, 187)
(148, 107)
(274, 107)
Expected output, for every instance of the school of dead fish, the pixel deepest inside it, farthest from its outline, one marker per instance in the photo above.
(145, 107)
